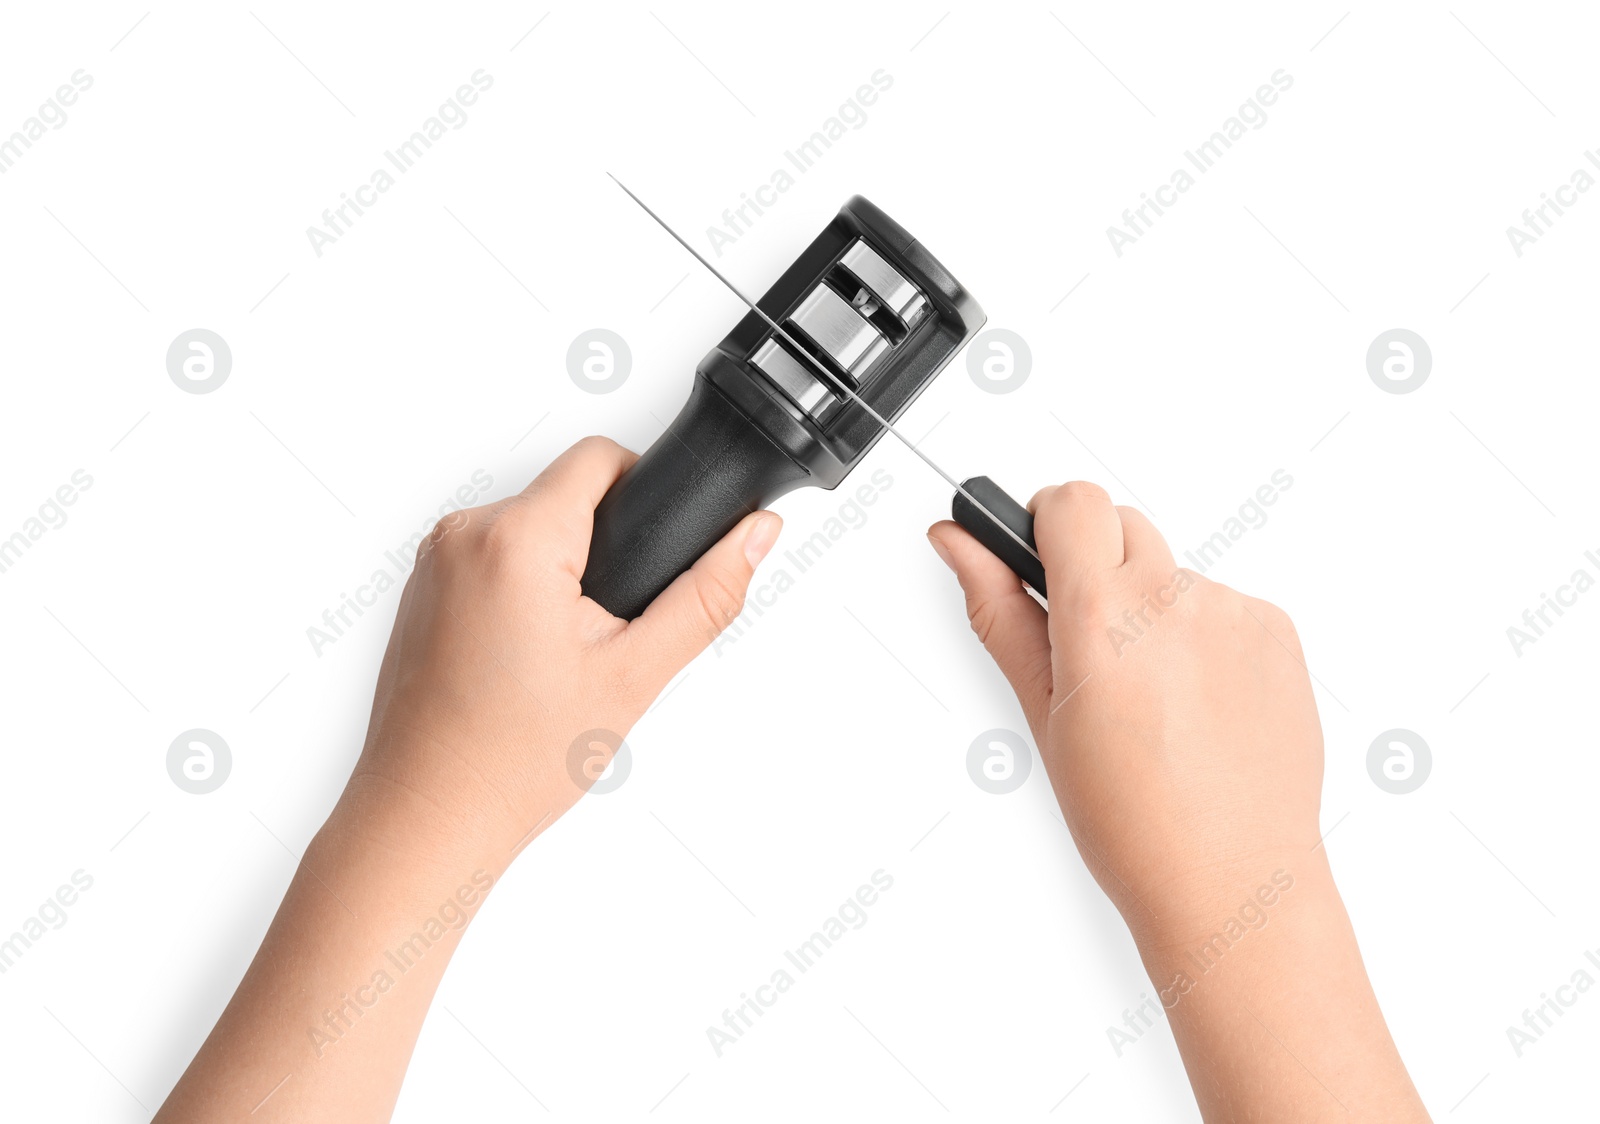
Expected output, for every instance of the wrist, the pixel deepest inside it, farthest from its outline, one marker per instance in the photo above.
(1277, 997)
(421, 837)
(1250, 909)
(1263, 935)
(421, 794)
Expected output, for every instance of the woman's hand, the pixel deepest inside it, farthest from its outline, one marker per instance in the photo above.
(502, 694)
(504, 690)
(1176, 720)
(1174, 715)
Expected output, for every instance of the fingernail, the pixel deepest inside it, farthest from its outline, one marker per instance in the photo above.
(944, 555)
(761, 537)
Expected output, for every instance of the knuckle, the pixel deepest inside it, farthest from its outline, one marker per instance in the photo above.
(1083, 490)
(443, 534)
(595, 443)
(720, 598)
(1273, 620)
(1280, 620)
(1058, 502)
(498, 544)
(983, 616)
(1177, 583)
(1216, 602)
(1266, 610)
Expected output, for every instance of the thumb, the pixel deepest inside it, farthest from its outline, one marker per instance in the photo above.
(702, 601)
(1012, 625)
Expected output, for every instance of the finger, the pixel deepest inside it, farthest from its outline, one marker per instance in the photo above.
(702, 601)
(1011, 624)
(1079, 535)
(571, 488)
(1142, 544)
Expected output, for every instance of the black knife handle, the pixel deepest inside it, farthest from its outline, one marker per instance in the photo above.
(1018, 518)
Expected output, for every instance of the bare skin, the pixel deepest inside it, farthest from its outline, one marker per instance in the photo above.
(1176, 720)
(1188, 763)
(497, 664)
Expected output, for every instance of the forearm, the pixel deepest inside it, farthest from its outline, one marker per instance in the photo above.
(323, 1024)
(1271, 1006)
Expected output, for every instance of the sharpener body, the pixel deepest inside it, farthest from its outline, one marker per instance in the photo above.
(865, 301)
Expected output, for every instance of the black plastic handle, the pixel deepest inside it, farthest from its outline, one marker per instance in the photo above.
(710, 469)
(1018, 518)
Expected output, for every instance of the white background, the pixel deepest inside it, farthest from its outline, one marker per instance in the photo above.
(831, 739)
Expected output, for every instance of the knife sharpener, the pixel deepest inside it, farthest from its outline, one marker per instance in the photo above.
(867, 301)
